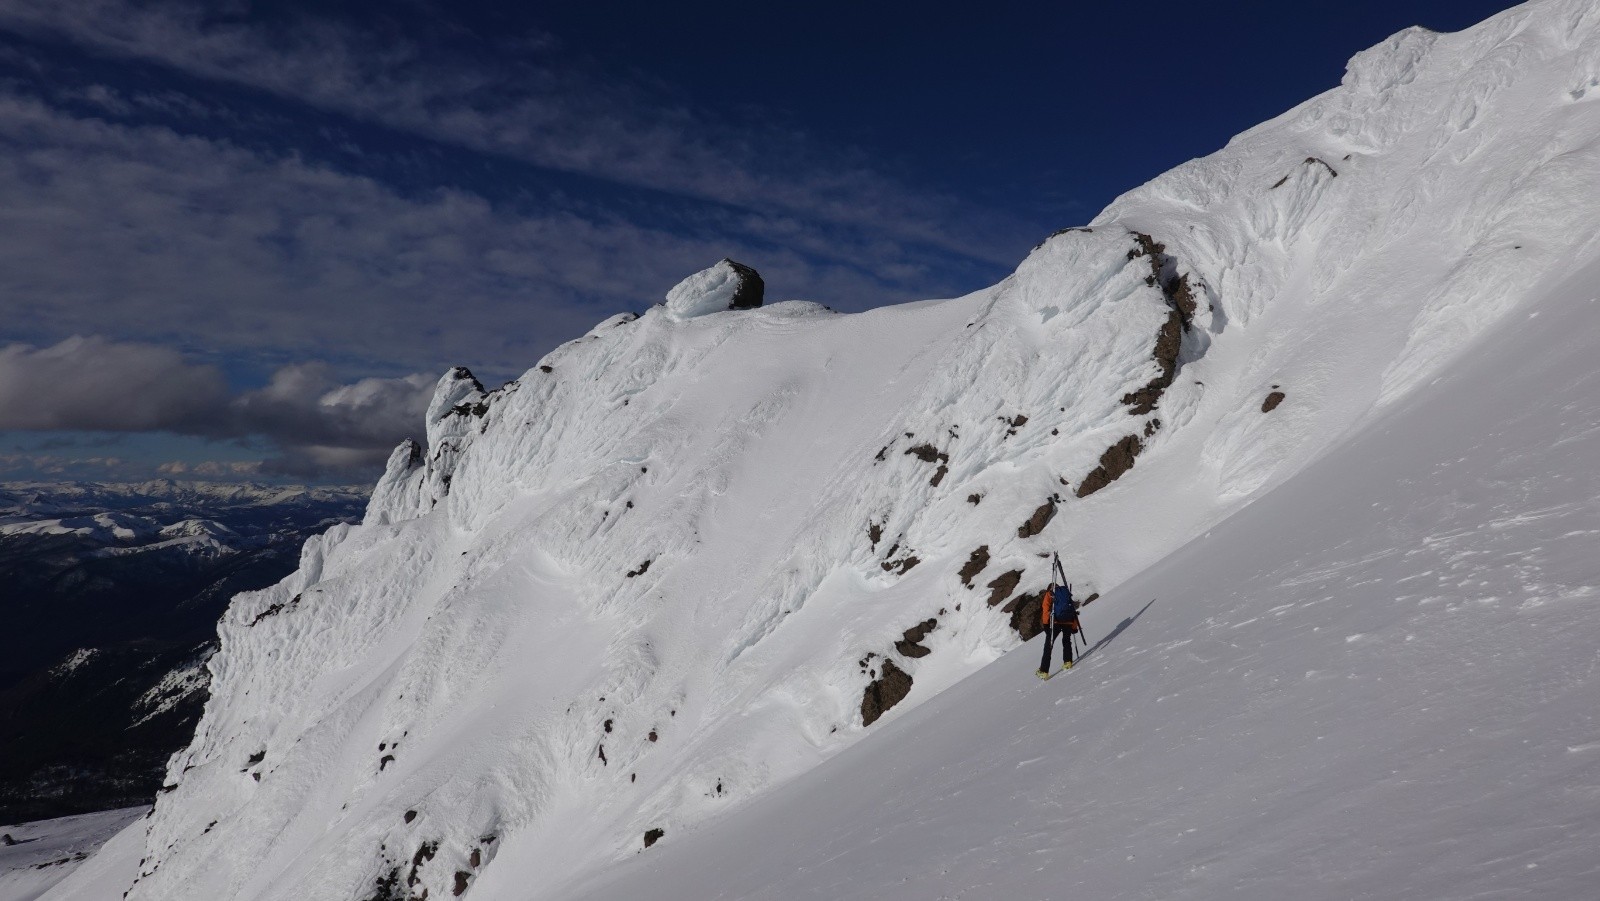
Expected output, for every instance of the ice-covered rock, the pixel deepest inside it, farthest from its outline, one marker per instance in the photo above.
(398, 493)
(454, 399)
(724, 286)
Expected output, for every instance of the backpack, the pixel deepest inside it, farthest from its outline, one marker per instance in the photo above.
(1066, 609)
(1059, 605)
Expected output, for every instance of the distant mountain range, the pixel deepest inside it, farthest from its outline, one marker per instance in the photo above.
(112, 593)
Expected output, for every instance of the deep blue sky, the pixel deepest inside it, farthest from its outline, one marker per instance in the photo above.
(243, 238)
(1026, 106)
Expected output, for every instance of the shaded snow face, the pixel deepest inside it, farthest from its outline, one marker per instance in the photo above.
(655, 576)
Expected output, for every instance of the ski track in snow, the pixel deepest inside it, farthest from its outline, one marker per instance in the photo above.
(638, 588)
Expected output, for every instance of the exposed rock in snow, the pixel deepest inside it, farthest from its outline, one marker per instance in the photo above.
(1041, 517)
(1117, 460)
(610, 323)
(910, 644)
(975, 564)
(1180, 297)
(889, 686)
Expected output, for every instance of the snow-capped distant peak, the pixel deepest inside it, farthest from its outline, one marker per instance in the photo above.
(198, 528)
(105, 527)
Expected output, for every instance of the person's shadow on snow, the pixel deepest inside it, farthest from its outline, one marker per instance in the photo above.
(1117, 631)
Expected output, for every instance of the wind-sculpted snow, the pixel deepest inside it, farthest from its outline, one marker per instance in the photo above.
(1431, 192)
(653, 578)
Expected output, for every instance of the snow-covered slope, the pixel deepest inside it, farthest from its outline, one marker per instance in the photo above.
(35, 856)
(1379, 681)
(697, 552)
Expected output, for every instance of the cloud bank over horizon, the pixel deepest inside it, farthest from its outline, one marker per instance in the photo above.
(309, 424)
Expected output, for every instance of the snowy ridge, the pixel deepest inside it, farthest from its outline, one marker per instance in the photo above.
(106, 527)
(655, 576)
(1455, 167)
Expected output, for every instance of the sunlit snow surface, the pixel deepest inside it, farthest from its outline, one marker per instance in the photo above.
(1376, 680)
(1379, 681)
(44, 852)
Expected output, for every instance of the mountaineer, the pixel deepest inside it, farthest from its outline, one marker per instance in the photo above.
(1058, 614)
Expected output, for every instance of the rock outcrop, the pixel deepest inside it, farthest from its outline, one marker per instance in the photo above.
(888, 689)
(725, 286)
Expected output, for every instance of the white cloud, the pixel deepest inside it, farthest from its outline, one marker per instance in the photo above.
(304, 406)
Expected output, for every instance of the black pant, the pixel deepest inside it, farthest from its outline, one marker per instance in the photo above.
(1064, 630)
